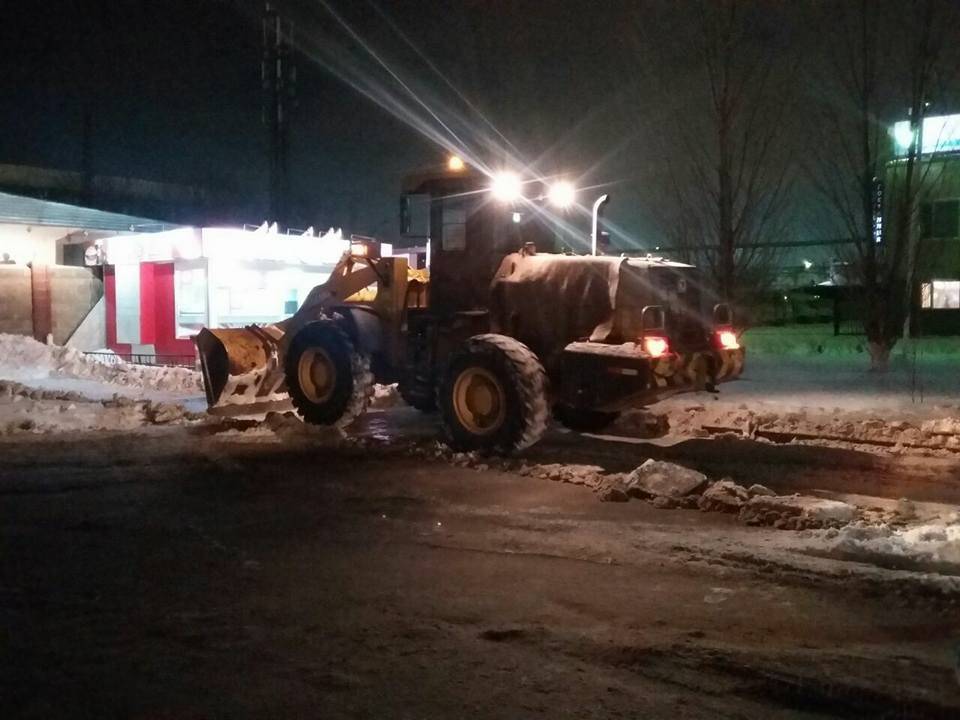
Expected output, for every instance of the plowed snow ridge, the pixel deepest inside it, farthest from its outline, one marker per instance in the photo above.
(23, 358)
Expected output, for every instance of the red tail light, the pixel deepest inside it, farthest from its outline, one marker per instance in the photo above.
(728, 339)
(656, 346)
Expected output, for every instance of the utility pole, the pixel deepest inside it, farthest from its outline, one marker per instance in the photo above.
(279, 76)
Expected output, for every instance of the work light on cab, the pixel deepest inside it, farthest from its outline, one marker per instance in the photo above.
(506, 187)
(561, 194)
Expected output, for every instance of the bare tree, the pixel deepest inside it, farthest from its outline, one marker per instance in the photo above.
(853, 161)
(729, 177)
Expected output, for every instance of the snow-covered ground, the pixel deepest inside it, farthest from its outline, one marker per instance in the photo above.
(25, 360)
(818, 397)
(51, 390)
(935, 543)
(830, 397)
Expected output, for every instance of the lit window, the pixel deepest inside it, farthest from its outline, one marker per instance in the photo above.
(940, 295)
(190, 297)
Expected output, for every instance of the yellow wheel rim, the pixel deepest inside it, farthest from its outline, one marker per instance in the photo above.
(479, 401)
(317, 375)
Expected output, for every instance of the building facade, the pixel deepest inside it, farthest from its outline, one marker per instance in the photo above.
(934, 228)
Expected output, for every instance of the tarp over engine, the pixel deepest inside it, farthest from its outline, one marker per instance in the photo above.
(545, 301)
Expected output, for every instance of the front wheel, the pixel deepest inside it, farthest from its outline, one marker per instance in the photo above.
(493, 396)
(329, 382)
(579, 420)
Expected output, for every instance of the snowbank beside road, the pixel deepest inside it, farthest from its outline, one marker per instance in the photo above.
(52, 411)
(936, 542)
(817, 399)
(24, 359)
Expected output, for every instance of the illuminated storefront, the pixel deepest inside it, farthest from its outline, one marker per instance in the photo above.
(163, 287)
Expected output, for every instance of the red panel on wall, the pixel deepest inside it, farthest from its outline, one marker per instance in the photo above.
(158, 326)
(165, 317)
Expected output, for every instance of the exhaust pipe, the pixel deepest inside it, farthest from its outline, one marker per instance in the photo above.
(594, 234)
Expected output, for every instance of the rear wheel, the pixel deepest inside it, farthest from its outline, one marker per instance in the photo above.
(329, 382)
(493, 396)
(583, 420)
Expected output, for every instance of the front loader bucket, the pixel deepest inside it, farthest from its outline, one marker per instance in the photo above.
(241, 367)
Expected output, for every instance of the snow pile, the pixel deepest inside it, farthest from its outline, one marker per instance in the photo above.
(942, 426)
(656, 478)
(724, 496)
(825, 400)
(589, 475)
(23, 358)
(666, 485)
(796, 512)
(27, 410)
(763, 422)
(385, 396)
(10, 389)
(936, 542)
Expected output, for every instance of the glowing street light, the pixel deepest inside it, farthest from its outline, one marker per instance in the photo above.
(903, 134)
(506, 187)
(561, 194)
(455, 163)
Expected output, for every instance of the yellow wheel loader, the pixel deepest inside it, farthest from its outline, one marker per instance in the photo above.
(501, 333)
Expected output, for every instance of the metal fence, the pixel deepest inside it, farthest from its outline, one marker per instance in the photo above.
(110, 358)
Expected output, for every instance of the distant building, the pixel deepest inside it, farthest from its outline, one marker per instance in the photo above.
(98, 279)
(162, 288)
(40, 231)
(50, 283)
(937, 230)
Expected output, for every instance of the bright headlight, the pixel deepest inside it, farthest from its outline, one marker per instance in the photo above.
(506, 187)
(561, 194)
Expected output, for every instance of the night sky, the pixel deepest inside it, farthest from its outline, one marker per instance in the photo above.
(173, 91)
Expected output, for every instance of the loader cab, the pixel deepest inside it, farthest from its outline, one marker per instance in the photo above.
(467, 233)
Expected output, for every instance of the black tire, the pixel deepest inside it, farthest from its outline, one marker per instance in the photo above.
(342, 397)
(580, 420)
(518, 412)
(424, 402)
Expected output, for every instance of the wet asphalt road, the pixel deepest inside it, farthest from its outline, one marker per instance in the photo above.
(178, 576)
